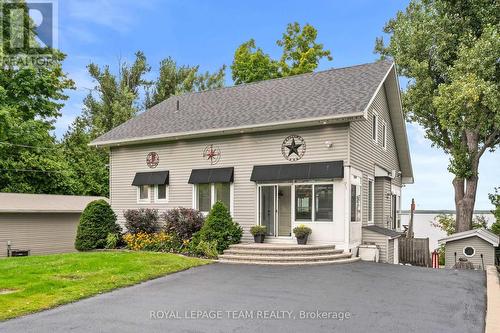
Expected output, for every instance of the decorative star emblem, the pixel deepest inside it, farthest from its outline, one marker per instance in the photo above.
(212, 154)
(293, 148)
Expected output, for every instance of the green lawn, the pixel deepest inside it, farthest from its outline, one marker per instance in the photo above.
(35, 283)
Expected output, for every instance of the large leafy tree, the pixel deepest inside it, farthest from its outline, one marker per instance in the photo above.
(114, 100)
(174, 80)
(301, 54)
(449, 50)
(31, 97)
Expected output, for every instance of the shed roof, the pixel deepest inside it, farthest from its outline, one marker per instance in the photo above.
(484, 234)
(43, 203)
(383, 231)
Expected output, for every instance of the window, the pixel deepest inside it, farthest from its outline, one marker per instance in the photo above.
(323, 198)
(384, 135)
(143, 193)
(161, 193)
(355, 203)
(370, 201)
(208, 194)
(204, 200)
(303, 202)
(223, 193)
(374, 127)
(319, 196)
(469, 251)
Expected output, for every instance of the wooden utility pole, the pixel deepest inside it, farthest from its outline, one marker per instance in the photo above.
(409, 233)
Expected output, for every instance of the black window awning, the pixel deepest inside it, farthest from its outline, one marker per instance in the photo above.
(217, 175)
(151, 178)
(279, 172)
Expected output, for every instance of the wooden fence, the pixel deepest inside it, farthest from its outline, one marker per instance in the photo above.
(414, 251)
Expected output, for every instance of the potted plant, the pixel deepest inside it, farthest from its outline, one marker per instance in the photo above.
(301, 233)
(259, 233)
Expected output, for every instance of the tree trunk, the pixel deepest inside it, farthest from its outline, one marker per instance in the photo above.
(465, 199)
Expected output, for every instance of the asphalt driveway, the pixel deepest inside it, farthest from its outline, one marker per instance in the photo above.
(358, 297)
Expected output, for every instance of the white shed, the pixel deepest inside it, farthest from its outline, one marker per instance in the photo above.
(477, 246)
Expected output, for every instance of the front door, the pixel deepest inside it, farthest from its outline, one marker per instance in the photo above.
(275, 202)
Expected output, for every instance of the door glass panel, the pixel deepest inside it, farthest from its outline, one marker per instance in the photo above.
(267, 209)
(222, 193)
(323, 195)
(204, 197)
(303, 202)
(284, 210)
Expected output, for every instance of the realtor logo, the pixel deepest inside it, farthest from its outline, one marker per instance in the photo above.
(28, 28)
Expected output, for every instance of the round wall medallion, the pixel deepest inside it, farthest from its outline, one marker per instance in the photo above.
(293, 147)
(152, 160)
(212, 154)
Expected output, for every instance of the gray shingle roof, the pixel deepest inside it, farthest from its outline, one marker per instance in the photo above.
(383, 231)
(335, 92)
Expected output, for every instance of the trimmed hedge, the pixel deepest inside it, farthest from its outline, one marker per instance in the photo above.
(96, 222)
(218, 227)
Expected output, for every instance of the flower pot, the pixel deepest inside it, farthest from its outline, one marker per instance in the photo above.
(302, 240)
(259, 238)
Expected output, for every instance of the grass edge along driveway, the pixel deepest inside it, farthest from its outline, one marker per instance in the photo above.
(36, 283)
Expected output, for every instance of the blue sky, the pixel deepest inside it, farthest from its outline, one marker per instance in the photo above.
(208, 32)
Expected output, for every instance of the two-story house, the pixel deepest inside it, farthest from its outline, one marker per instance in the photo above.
(326, 149)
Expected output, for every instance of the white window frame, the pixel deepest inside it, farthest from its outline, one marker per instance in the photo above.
(374, 117)
(384, 134)
(469, 256)
(372, 221)
(166, 194)
(212, 197)
(313, 212)
(143, 201)
(357, 182)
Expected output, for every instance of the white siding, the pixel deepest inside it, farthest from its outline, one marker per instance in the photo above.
(241, 152)
(365, 153)
(42, 233)
(480, 246)
(378, 239)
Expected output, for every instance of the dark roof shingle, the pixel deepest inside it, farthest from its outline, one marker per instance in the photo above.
(335, 92)
(383, 231)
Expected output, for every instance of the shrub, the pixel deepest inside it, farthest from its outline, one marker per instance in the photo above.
(112, 240)
(258, 230)
(158, 242)
(220, 227)
(183, 222)
(302, 231)
(142, 220)
(96, 222)
(208, 249)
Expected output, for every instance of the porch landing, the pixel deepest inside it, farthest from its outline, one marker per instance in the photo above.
(285, 254)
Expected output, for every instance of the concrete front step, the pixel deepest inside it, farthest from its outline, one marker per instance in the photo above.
(291, 263)
(286, 258)
(280, 247)
(264, 252)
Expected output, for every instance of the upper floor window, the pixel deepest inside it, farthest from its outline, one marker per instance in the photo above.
(384, 135)
(375, 127)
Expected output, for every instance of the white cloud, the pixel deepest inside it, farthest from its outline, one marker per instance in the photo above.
(119, 15)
